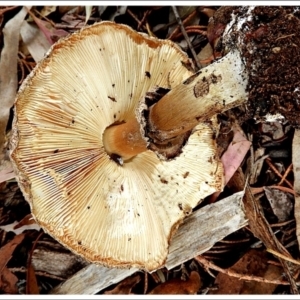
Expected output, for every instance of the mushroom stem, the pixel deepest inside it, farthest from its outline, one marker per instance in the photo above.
(214, 89)
(124, 140)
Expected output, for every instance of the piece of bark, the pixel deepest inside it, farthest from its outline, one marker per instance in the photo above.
(203, 229)
(296, 168)
(56, 262)
(199, 232)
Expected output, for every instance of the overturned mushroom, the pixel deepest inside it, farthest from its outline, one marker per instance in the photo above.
(116, 209)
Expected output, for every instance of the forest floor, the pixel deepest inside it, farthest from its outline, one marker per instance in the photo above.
(262, 257)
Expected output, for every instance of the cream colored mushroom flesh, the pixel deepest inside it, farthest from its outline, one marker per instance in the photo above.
(114, 214)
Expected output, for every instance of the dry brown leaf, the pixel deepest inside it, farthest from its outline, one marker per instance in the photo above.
(179, 287)
(8, 282)
(8, 70)
(7, 279)
(254, 262)
(125, 286)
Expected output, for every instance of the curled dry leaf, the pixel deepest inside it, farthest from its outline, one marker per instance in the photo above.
(179, 287)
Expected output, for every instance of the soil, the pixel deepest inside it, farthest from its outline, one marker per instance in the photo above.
(271, 47)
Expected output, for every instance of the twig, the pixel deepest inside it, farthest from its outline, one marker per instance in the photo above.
(186, 37)
(146, 14)
(146, 283)
(282, 223)
(4, 10)
(268, 161)
(45, 18)
(190, 31)
(136, 19)
(283, 257)
(149, 30)
(217, 251)
(210, 265)
(235, 241)
(286, 173)
(257, 190)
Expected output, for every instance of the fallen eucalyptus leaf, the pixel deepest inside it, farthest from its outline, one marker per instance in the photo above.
(35, 41)
(8, 70)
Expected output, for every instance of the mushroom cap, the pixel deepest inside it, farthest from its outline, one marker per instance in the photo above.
(111, 214)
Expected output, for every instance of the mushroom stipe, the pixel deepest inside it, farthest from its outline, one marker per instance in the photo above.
(118, 214)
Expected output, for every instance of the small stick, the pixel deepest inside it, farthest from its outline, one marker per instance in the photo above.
(186, 36)
(268, 161)
(288, 170)
(146, 14)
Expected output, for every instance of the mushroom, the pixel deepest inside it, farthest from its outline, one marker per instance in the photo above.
(114, 209)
